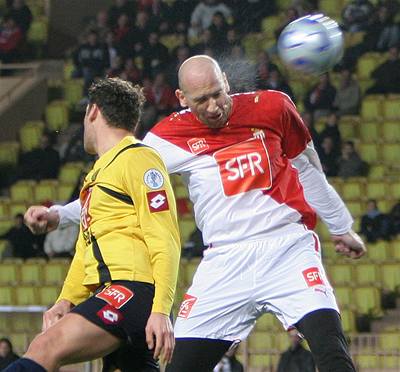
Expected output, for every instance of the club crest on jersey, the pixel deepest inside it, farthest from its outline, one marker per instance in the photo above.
(258, 133)
(153, 178)
(198, 145)
(157, 201)
(186, 306)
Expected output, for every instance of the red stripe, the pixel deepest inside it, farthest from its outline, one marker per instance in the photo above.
(316, 242)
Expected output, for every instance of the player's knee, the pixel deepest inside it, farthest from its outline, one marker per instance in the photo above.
(43, 348)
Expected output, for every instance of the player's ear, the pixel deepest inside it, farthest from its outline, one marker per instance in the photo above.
(227, 87)
(92, 112)
(181, 97)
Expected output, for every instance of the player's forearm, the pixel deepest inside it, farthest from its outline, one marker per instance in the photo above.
(69, 214)
(322, 196)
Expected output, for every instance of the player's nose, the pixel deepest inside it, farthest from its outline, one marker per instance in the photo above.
(212, 106)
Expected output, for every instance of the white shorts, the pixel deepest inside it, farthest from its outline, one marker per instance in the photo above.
(236, 283)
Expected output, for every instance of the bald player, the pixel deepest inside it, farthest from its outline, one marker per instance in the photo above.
(256, 184)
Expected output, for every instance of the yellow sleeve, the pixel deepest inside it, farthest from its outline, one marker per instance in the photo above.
(155, 204)
(73, 290)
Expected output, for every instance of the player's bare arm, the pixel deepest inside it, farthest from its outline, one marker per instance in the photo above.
(41, 220)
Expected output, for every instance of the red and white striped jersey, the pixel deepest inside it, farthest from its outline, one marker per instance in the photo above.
(239, 177)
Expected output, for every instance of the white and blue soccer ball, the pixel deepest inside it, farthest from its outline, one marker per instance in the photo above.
(312, 44)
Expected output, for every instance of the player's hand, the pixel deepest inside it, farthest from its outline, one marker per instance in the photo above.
(349, 244)
(55, 313)
(41, 220)
(160, 336)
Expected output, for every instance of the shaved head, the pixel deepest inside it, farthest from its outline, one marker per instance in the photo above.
(204, 89)
(198, 69)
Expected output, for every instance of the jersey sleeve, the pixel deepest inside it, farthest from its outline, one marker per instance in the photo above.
(147, 182)
(73, 290)
(295, 135)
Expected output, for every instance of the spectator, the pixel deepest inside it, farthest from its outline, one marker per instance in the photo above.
(182, 53)
(155, 56)
(329, 156)
(100, 25)
(61, 242)
(276, 81)
(161, 95)
(202, 15)
(22, 15)
(394, 217)
(91, 60)
(350, 163)
(290, 15)
(332, 130)
(356, 15)
(40, 163)
(205, 43)
(219, 29)
(319, 99)
(229, 363)
(308, 120)
(232, 39)
(23, 244)
(7, 355)
(131, 72)
(387, 75)
(123, 36)
(264, 66)
(296, 358)
(381, 35)
(111, 47)
(140, 32)
(10, 40)
(121, 7)
(374, 224)
(348, 95)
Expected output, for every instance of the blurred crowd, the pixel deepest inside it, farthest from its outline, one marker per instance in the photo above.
(146, 41)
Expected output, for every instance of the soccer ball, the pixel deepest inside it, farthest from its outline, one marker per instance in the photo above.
(312, 44)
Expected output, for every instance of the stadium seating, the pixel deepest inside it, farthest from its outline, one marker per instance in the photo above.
(371, 108)
(9, 153)
(30, 135)
(57, 115)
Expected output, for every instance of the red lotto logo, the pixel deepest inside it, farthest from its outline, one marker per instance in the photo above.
(197, 145)
(186, 306)
(116, 295)
(109, 315)
(158, 201)
(312, 276)
(244, 167)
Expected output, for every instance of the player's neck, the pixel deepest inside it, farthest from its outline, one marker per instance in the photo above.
(108, 138)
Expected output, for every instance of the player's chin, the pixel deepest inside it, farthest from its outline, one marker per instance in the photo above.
(215, 123)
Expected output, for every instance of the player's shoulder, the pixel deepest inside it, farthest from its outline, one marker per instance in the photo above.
(134, 150)
(174, 124)
(261, 98)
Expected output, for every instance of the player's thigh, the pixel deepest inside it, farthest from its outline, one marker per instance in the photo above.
(218, 304)
(296, 283)
(72, 339)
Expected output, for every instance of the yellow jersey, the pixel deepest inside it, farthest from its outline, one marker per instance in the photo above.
(129, 227)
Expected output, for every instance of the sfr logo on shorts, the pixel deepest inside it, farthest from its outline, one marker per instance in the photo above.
(197, 145)
(186, 306)
(312, 277)
(109, 315)
(244, 167)
(115, 295)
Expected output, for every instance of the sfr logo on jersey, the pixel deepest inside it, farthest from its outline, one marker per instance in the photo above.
(197, 145)
(115, 295)
(312, 277)
(158, 201)
(186, 305)
(244, 167)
